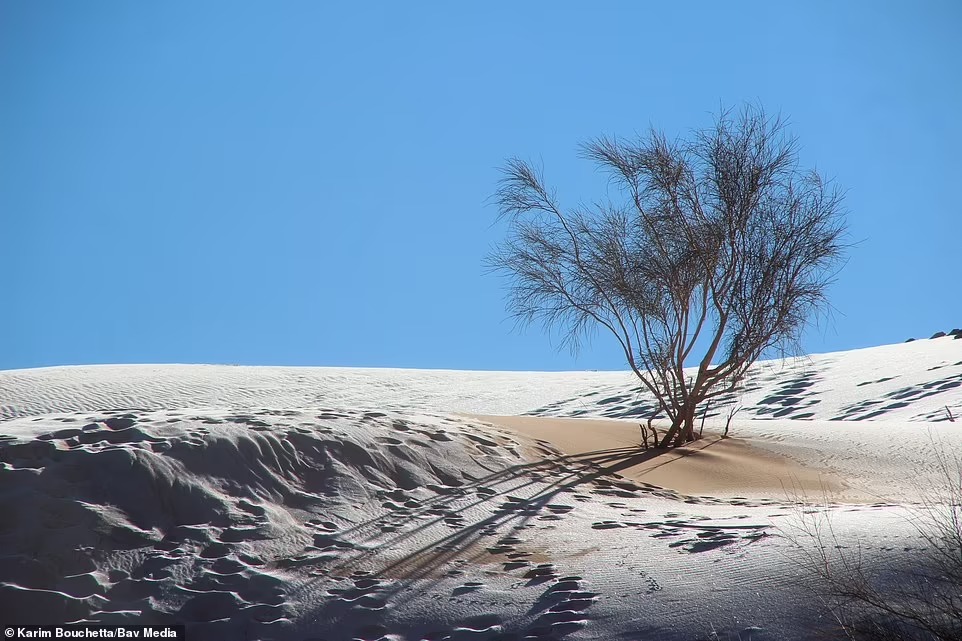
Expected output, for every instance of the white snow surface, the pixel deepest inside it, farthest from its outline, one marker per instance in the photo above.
(338, 503)
(909, 381)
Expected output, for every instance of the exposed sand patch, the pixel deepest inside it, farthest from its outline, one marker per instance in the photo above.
(712, 466)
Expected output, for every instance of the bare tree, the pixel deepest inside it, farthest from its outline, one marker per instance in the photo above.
(719, 244)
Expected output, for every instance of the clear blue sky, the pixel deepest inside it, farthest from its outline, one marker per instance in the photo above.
(305, 183)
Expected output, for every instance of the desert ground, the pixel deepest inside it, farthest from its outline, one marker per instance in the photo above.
(376, 504)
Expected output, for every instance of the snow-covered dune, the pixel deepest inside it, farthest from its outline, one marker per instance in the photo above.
(909, 381)
(335, 503)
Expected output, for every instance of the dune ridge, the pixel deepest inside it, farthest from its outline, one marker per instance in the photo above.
(390, 505)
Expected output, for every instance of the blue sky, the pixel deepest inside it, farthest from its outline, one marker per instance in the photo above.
(305, 183)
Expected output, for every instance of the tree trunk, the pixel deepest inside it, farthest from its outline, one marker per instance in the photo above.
(687, 432)
(682, 429)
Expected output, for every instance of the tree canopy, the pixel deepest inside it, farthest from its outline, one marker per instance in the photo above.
(717, 248)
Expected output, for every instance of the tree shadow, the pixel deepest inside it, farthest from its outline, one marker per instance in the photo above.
(357, 549)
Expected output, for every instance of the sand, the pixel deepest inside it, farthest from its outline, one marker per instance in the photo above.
(712, 466)
(400, 505)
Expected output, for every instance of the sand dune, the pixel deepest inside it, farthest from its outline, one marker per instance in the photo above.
(712, 466)
(300, 503)
(904, 382)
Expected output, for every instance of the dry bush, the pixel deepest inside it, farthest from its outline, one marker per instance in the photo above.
(874, 602)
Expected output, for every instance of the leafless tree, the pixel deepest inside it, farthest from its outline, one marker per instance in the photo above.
(719, 248)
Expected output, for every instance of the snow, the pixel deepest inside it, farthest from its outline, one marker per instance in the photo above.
(340, 503)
